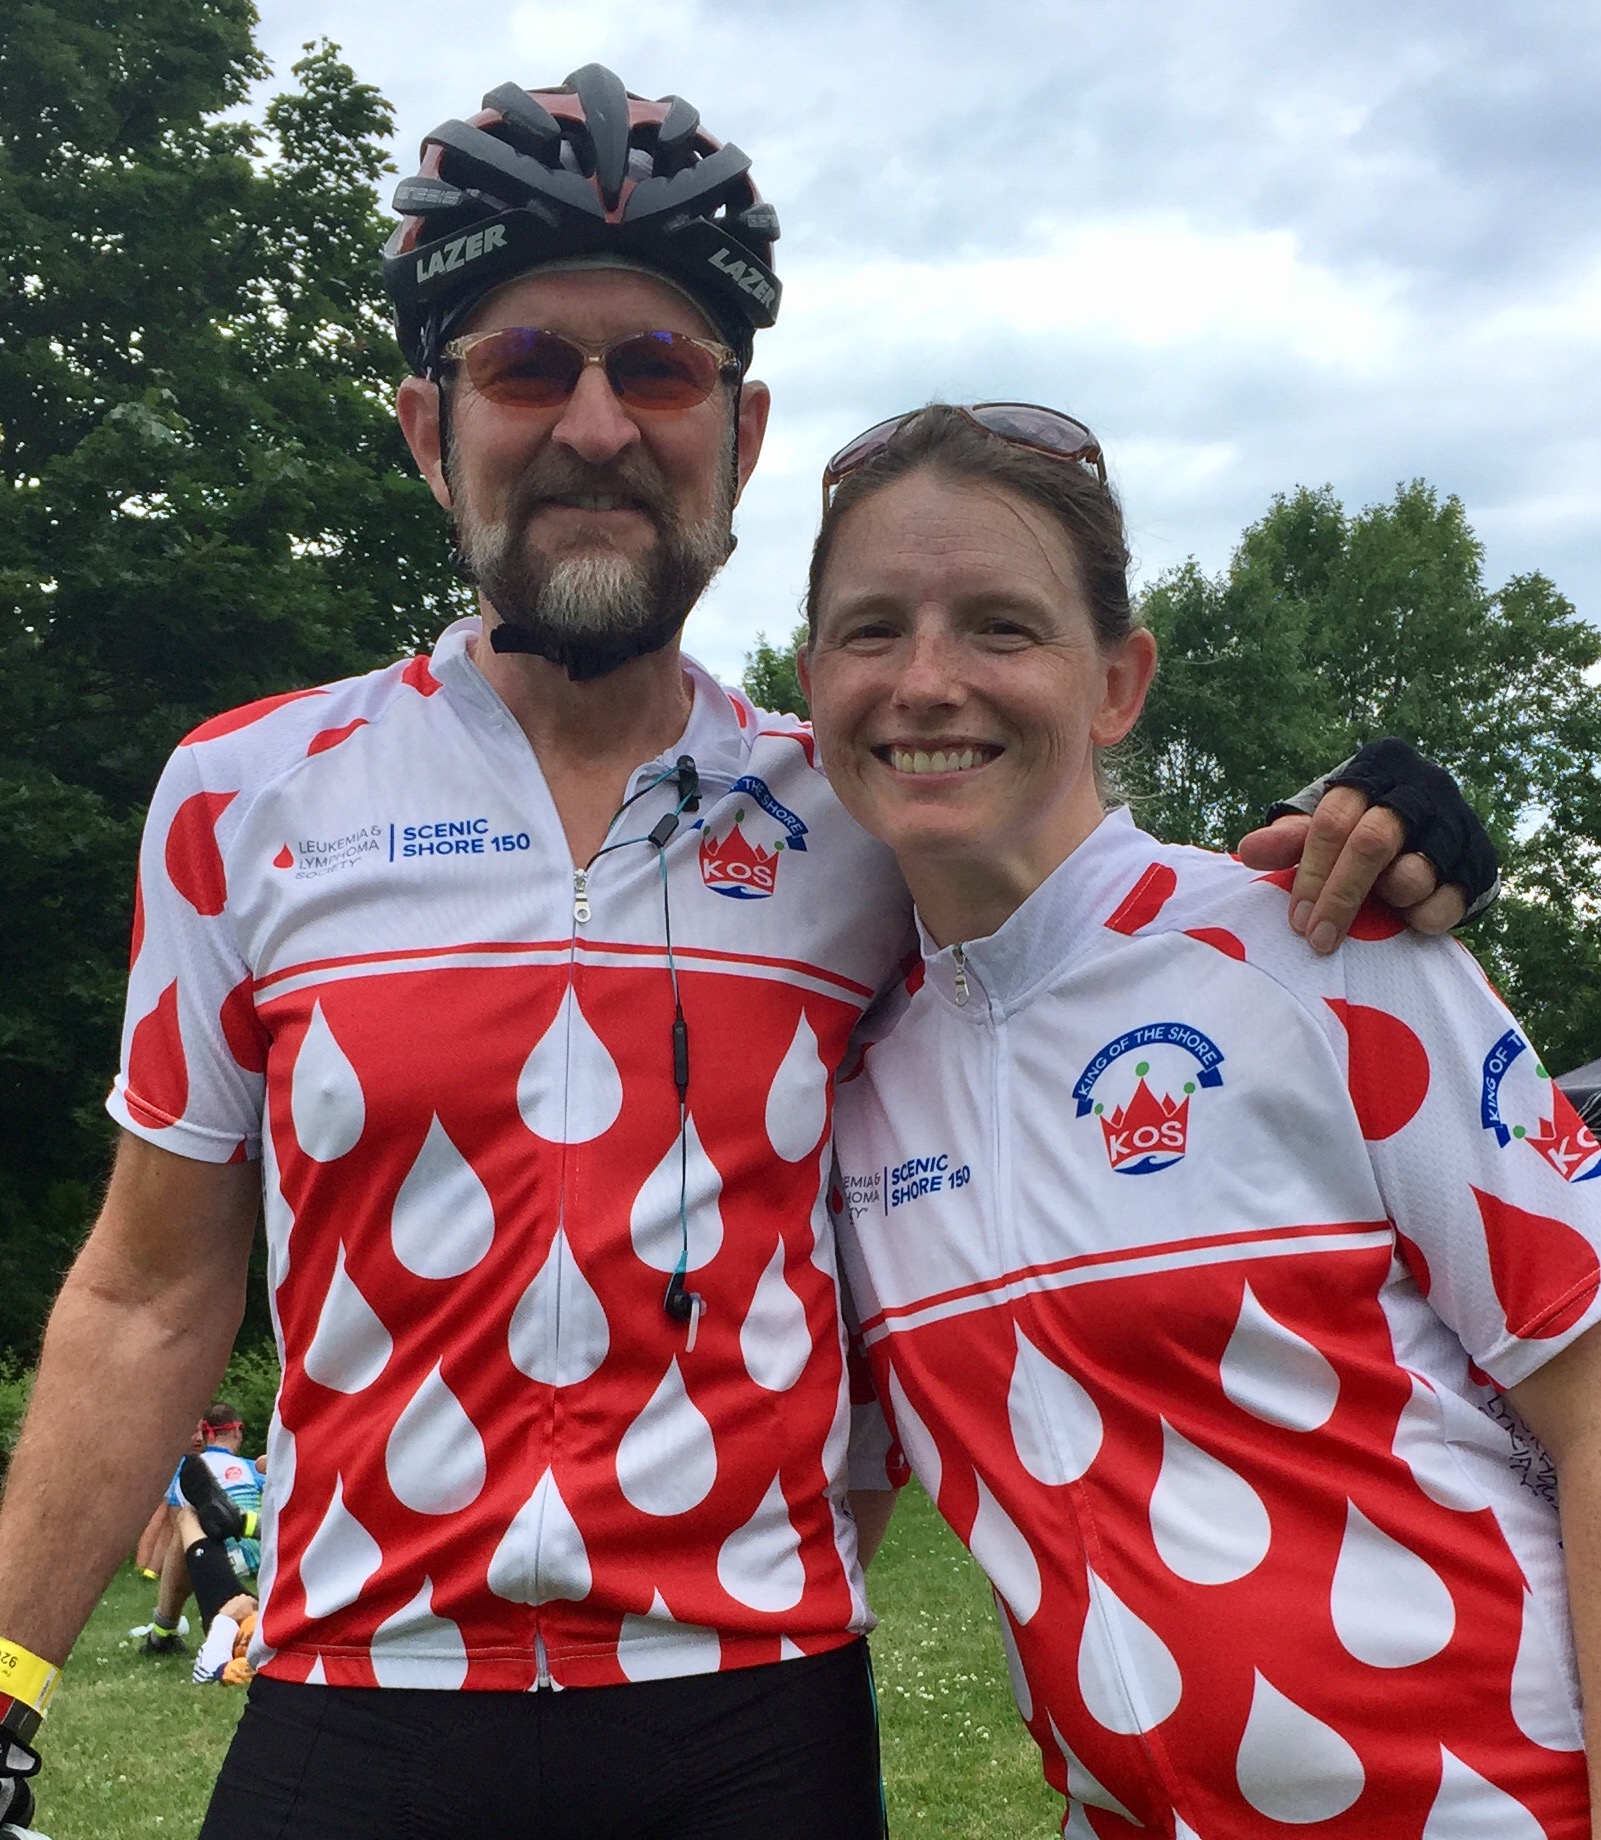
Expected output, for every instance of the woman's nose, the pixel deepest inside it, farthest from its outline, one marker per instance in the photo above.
(930, 674)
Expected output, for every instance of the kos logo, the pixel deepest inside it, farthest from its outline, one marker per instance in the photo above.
(733, 864)
(1549, 1124)
(1149, 1131)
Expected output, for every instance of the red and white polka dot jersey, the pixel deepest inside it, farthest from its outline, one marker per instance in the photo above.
(1192, 1267)
(362, 953)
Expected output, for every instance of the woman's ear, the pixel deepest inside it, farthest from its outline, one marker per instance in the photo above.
(1129, 672)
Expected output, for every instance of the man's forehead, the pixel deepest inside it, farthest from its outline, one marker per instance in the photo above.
(612, 297)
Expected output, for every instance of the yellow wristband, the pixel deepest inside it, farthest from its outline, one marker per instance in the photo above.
(26, 1677)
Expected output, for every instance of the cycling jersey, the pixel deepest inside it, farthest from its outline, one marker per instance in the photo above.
(1193, 1268)
(238, 1478)
(363, 953)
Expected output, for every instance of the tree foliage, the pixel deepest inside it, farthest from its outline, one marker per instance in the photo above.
(770, 679)
(203, 495)
(1328, 629)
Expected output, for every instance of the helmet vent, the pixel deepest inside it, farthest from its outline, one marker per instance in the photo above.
(529, 126)
(606, 118)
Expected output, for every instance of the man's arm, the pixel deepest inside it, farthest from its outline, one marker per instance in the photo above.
(1561, 1405)
(147, 1318)
(872, 1509)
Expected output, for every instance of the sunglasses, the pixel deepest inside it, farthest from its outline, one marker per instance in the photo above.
(526, 367)
(1045, 431)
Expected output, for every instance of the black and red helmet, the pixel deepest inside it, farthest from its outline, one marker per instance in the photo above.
(585, 170)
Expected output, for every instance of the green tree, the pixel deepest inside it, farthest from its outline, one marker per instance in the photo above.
(203, 496)
(770, 679)
(1328, 629)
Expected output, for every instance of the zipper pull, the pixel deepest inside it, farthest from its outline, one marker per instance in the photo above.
(960, 958)
(580, 895)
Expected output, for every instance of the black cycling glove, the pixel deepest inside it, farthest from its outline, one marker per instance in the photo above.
(18, 1761)
(1439, 823)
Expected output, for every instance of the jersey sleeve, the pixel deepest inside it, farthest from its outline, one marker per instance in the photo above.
(1492, 1180)
(192, 1077)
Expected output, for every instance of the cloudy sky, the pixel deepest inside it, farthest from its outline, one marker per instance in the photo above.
(1254, 244)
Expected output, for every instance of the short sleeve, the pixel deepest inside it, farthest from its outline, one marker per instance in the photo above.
(1491, 1178)
(193, 1067)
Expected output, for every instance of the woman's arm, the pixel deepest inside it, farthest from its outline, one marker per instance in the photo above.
(1561, 1405)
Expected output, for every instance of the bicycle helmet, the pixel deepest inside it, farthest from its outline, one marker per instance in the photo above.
(586, 170)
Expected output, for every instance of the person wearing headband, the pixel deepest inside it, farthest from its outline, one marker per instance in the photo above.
(1228, 1300)
(511, 980)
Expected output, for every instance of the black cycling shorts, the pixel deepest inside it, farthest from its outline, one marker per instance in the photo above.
(787, 1751)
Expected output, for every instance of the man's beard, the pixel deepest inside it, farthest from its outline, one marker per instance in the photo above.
(591, 612)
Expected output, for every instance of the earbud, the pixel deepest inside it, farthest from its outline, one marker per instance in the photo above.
(680, 1303)
(688, 783)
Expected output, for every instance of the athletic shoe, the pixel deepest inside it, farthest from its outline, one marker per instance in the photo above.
(219, 1515)
(163, 1642)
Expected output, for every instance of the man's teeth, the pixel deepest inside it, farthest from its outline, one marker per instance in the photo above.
(935, 760)
(597, 501)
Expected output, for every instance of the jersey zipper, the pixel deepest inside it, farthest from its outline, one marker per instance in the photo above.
(581, 908)
(960, 958)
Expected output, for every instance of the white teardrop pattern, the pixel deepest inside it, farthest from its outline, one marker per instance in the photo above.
(1292, 1767)
(541, 1556)
(558, 1333)
(326, 1103)
(797, 1100)
(351, 1346)
(569, 1091)
(339, 1559)
(413, 1635)
(317, 1677)
(1542, 1707)
(916, 1441)
(653, 1222)
(1016, 1673)
(655, 1647)
(278, 1216)
(435, 1458)
(1083, 1787)
(1390, 1608)
(1209, 1525)
(1275, 1374)
(1005, 1556)
(1422, 1445)
(1126, 1673)
(667, 1458)
(281, 1461)
(443, 1221)
(773, 1339)
(759, 1565)
(1182, 1829)
(1468, 1807)
(788, 1651)
(1056, 1426)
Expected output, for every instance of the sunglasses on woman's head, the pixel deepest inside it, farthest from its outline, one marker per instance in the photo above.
(525, 367)
(1045, 431)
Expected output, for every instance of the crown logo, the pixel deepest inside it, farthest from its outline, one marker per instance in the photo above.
(736, 867)
(1565, 1141)
(1149, 1132)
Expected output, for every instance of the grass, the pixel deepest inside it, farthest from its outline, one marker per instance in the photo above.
(131, 1747)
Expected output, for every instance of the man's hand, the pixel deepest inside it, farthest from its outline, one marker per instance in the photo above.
(1355, 843)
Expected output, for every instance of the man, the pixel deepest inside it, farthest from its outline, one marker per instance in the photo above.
(524, 969)
(221, 1433)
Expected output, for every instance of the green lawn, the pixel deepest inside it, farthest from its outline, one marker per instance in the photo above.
(131, 1747)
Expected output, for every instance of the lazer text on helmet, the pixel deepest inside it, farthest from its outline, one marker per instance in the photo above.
(461, 250)
(748, 277)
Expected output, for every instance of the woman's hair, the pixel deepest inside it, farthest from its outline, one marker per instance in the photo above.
(943, 441)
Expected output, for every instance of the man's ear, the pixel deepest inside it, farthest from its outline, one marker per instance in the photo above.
(755, 404)
(417, 406)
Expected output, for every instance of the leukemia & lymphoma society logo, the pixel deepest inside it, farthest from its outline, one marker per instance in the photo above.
(1521, 1103)
(741, 845)
(1146, 1128)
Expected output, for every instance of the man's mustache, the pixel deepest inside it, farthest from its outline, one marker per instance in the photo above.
(557, 476)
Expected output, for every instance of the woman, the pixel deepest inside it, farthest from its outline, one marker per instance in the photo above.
(1211, 1284)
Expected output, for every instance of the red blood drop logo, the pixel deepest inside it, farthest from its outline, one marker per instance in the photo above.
(331, 737)
(158, 1075)
(241, 1028)
(234, 719)
(419, 676)
(136, 946)
(194, 862)
(285, 859)
(1221, 938)
(1545, 1273)
(1388, 1071)
(1145, 900)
